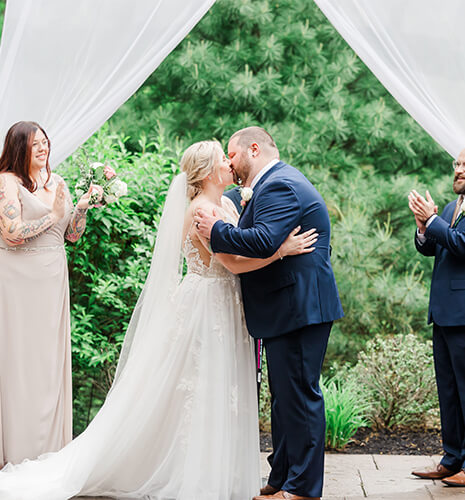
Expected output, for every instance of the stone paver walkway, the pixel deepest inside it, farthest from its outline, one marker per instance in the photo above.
(376, 477)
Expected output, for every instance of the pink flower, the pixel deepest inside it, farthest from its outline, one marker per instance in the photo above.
(109, 172)
(243, 203)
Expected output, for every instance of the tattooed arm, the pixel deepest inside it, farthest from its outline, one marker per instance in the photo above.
(77, 225)
(13, 229)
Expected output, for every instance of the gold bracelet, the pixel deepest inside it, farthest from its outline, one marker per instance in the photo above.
(279, 254)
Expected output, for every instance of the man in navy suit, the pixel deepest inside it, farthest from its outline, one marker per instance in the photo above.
(291, 304)
(443, 236)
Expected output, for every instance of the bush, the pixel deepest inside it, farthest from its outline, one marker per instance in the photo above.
(109, 264)
(381, 290)
(396, 377)
(345, 411)
(265, 400)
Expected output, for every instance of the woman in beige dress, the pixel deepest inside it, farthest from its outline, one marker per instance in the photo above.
(36, 216)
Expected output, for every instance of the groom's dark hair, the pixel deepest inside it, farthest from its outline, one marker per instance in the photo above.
(247, 136)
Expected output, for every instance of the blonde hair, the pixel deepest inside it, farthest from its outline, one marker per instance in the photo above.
(198, 162)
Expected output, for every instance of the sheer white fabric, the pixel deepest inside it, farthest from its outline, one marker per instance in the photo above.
(70, 64)
(181, 420)
(164, 275)
(417, 50)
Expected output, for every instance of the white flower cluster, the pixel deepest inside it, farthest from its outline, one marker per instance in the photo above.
(115, 190)
(246, 193)
(98, 174)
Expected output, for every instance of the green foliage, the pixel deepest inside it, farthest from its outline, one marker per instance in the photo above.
(345, 410)
(265, 400)
(383, 281)
(2, 12)
(282, 65)
(380, 276)
(396, 377)
(108, 266)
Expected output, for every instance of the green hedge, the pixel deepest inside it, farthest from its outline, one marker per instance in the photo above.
(380, 275)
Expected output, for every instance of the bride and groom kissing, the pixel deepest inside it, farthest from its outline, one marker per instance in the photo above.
(180, 421)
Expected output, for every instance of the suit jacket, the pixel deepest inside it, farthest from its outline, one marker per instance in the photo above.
(234, 195)
(447, 245)
(298, 290)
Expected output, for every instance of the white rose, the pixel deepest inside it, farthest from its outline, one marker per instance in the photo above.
(246, 193)
(120, 188)
(109, 198)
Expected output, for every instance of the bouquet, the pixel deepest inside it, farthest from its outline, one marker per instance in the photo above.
(103, 176)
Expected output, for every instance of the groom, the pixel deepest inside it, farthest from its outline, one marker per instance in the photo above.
(291, 304)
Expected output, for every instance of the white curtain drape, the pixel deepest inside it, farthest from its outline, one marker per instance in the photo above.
(416, 48)
(69, 64)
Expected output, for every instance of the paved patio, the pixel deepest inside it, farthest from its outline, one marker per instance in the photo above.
(376, 477)
(382, 477)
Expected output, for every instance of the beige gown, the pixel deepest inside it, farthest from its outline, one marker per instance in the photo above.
(35, 346)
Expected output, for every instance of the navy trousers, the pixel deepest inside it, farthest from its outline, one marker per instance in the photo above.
(449, 363)
(297, 409)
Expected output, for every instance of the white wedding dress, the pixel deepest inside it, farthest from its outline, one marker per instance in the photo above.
(180, 422)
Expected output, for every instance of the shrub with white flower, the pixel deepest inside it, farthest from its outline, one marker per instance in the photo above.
(104, 176)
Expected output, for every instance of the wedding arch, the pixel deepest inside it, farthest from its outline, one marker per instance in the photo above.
(70, 64)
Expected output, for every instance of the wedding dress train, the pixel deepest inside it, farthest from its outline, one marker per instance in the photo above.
(180, 422)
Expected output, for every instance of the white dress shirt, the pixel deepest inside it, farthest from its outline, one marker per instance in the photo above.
(421, 237)
(263, 171)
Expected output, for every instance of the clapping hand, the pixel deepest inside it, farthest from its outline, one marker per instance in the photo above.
(58, 209)
(422, 208)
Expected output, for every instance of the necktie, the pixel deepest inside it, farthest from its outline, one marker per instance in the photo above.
(457, 209)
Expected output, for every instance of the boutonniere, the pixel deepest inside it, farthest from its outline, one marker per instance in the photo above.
(246, 195)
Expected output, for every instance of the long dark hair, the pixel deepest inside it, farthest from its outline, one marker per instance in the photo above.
(16, 155)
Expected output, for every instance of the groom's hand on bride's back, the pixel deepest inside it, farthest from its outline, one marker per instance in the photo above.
(204, 222)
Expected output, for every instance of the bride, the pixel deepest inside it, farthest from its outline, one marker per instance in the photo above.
(180, 421)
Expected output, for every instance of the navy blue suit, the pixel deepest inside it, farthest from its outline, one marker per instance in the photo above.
(291, 304)
(234, 195)
(447, 313)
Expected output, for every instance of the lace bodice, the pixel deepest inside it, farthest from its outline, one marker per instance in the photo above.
(196, 265)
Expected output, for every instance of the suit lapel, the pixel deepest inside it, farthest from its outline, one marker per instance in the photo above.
(257, 186)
